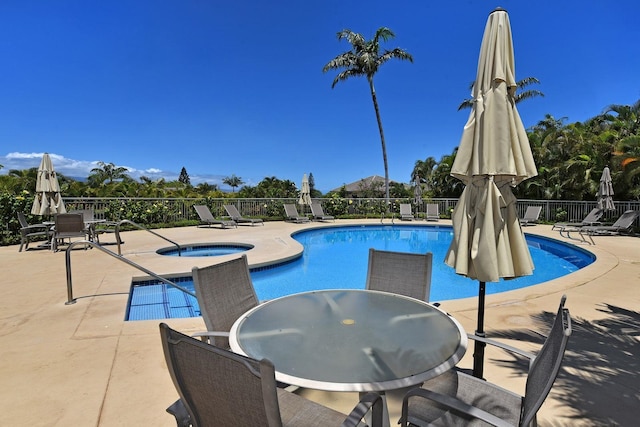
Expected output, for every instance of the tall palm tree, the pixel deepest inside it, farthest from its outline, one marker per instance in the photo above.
(107, 172)
(233, 181)
(520, 95)
(364, 59)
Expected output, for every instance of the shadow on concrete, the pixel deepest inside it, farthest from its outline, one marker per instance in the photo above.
(600, 376)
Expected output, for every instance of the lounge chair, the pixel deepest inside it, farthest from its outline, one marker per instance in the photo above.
(292, 215)
(27, 231)
(531, 215)
(225, 292)
(403, 273)
(207, 218)
(593, 218)
(233, 213)
(433, 212)
(220, 388)
(406, 213)
(623, 225)
(318, 213)
(456, 398)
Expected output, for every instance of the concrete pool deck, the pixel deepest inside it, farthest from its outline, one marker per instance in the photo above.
(83, 365)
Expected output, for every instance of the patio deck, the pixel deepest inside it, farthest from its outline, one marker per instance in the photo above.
(83, 365)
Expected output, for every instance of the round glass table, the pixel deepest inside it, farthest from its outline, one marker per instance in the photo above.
(350, 340)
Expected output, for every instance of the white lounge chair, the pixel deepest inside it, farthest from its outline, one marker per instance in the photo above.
(406, 213)
(531, 215)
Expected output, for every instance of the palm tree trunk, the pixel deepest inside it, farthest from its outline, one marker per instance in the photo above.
(384, 145)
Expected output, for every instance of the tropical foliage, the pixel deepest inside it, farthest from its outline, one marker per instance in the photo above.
(365, 59)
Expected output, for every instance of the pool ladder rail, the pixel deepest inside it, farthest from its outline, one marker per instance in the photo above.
(70, 297)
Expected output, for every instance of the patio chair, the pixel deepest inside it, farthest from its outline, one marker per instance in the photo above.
(220, 388)
(402, 273)
(531, 215)
(592, 218)
(27, 231)
(318, 213)
(233, 213)
(623, 225)
(224, 292)
(456, 398)
(406, 213)
(433, 212)
(207, 218)
(68, 226)
(292, 215)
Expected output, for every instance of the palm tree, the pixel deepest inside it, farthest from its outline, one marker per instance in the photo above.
(423, 171)
(519, 96)
(107, 172)
(233, 182)
(364, 59)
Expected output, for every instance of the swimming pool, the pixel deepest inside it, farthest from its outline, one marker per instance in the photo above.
(205, 249)
(336, 257)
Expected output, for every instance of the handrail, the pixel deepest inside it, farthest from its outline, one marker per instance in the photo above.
(126, 221)
(72, 300)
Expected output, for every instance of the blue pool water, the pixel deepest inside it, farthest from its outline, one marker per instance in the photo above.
(336, 257)
(204, 250)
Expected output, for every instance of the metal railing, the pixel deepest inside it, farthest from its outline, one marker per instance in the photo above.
(70, 297)
(140, 227)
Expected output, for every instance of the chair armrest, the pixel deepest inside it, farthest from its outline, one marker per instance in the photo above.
(503, 346)
(370, 401)
(36, 227)
(178, 410)
(204, 336)
(450, 402)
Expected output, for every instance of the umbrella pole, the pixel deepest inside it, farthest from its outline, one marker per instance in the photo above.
(478, 348)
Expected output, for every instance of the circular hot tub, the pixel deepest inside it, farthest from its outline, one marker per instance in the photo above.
(205, 249)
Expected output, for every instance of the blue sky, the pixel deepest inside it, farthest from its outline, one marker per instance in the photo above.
(237, 87)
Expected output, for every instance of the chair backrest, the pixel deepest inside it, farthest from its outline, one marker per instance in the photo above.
(433, 210)
(225, 292)
(69, 225)
(593, 216)
(405, 209)
(316, 209)
(402, 273)
(87, 214)
(204, 213)
(232, 211)
(546, 365)
(532, 213)
(291, 211)
(218, 387)
(23, 220)
(626, 219)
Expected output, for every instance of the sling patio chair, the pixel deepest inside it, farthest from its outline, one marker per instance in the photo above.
(292, 215)
(531, 215)
(233, 213)
(220, 388)
(623, 225)
(403, 273)
(592, 218)
(68, 226)
(456, 398)
(27, 231)
(318, 213)
(207, 218)
(224, 292)
(406, 213)
(433, 212)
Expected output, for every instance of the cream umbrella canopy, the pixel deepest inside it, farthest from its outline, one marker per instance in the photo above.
(605, 191)
(305, 192)
(48, 200)
(493, 155)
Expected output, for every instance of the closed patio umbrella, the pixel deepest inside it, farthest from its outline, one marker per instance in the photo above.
(605, 191)
(417, 192)
(48, 200)
(305, 192)
(493, 156)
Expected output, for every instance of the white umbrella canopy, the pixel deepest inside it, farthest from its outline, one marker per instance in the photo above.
(605, 191)
(48, 200)
(305, 192)
(493, 156)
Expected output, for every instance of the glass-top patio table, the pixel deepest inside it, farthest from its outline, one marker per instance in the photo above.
(350, 340)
